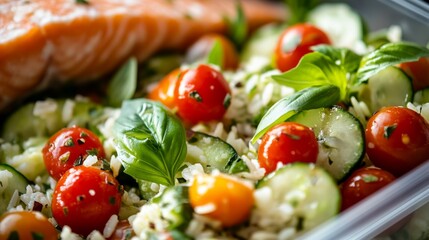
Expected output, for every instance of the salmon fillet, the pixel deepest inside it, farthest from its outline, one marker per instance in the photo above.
(52, 42)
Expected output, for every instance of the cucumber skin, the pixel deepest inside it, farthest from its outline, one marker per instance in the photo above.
(17, 182)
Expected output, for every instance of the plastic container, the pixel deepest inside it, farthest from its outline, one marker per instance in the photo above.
(396, 211)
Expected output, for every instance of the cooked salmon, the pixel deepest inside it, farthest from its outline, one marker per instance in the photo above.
(50, 42)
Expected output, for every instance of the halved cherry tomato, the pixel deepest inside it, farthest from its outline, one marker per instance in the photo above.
(26, 225)
(69, 147)
(164, 90)
(222, 198)
(202, 95)
(295, 42)
(85, 198)
(203, 45)
(286, 143)
(418, 71)
(397, 139)
(362, 183)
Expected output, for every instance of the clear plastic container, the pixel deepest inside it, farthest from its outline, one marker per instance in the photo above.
(401, 210)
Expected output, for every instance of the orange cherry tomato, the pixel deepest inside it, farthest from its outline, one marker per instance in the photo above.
(295, 42)
(85, 198)
(69, 147)
(164, 90)
(221, 198)
(362, 183)
(286, 143)
(201, 95)
(26, 225)
(397, 139)
(203, 45)
(418, 71)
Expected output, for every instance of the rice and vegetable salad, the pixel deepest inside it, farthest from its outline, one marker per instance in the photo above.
(267, 143)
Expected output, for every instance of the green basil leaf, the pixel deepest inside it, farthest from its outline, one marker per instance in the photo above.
(150, 141)
(123, 84)
(343, 57)
(388, 55)
(82, 2)
(299, 9)
(309, 98)
(215, 56)
(237, 27)
(314, 69)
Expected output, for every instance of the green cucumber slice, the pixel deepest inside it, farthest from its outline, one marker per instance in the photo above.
(341, 139)
(309, 189)
(10, 180)
(389, 87)
(213, 153)
(421, 96)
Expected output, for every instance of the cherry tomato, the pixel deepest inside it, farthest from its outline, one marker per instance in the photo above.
(418, 71)
(85, 198)
(26, 225)
(123, 231)
(203, 45)
(295, 42)
(222, 198)
(397, 139)
(164, 90)
(201, 95)
(69, 147)
(362, 183)
(286, 143)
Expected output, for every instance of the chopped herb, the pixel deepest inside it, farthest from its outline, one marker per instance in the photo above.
(80, 198)
(80, 141)
(292, 136)
(83, 134)
(37, 236)
(1, 184)
(227, 101)
(330, 161)
(78, 162)
(369, 178)
(388, 130)
(237, 27)
(92, 152)
(64, 157)
(66, 211)
(105, 165)
(112, 200)
(195, 95)
(300, 224)
(82, 2)
(69, 142)
(193, 140)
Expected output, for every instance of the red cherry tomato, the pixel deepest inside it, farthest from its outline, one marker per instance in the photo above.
(164, 90)
(295, 42)
(362, 183)
(26, 225)
(286, 143)
(202, 95)
(418, 71)
(397, 139)
(203, 45)
(85, 198)
(69, 147)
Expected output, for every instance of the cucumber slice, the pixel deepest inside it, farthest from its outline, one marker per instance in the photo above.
(213, 153)
(341, 139)
(309, 189)
(10, 180)
(343, 25)
(389, 87)
(421, 96)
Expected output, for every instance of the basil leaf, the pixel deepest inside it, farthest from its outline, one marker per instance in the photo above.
(387, 55)
(150, 141)
(314, 69)
(299, 9)
(237, 27)
(309, 98)
(82, 2)
(215, 56)
(123, 84)
(344, 57)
